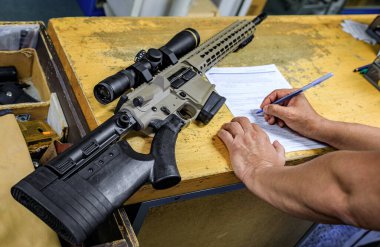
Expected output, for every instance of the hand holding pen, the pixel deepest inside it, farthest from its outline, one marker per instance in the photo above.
(296, 113)
(301, 90)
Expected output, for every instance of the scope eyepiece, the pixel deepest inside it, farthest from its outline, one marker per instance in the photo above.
(103, 93)
(113, 87)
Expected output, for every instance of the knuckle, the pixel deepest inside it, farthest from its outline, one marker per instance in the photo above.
(291, 115)
(271, 109)
(245, 120)
(238, 119)
(234, 125)
(222, 132)
(261, 134)
(225, 125)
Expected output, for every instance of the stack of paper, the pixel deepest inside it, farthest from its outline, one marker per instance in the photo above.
(245, 88)
(357, 30)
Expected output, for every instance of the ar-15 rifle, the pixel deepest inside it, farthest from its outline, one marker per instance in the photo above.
(77, 190)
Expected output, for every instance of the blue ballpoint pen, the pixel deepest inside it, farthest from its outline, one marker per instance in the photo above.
(301, 90)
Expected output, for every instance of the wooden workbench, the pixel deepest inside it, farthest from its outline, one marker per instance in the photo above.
(303, 48)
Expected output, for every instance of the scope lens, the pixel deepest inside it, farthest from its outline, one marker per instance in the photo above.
(114, 86)
(102, 93)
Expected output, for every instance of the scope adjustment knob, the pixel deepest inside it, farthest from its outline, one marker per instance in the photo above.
(154, 55)
(123, 121)
(140, 55)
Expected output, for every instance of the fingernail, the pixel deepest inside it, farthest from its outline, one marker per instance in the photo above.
(265, 108)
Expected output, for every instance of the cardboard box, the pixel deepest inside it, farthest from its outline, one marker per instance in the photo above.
(18, 226)
(42, 66)
(29, 70)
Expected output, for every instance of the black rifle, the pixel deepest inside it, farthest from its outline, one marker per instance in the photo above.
(77, 190)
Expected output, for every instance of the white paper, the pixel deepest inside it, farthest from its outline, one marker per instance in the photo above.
(245, 88)
(357, 30)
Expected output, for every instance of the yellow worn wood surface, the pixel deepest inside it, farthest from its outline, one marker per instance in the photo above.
(303, 48)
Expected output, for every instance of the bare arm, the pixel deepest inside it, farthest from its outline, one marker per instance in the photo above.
(301, 117)
(340, 187)
(348, 136)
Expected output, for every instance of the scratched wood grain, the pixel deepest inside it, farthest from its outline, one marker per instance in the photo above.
(303, 48)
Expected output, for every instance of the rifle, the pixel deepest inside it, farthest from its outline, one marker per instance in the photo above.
(78, 189)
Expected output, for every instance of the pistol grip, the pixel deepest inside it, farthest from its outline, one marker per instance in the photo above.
(165, 172)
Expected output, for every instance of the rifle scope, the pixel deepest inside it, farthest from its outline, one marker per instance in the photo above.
(146, 65)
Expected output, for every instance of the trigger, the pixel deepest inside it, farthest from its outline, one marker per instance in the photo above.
(171, 120)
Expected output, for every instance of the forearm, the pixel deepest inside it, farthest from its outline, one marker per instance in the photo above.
(297, 190)
(347, 136)
(331, 189)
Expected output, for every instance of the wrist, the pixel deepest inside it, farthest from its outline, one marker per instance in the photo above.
(253, 172)
(258, 180)
(319, 128)
(324, 131)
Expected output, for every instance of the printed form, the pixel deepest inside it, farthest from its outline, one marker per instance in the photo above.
(245, 88)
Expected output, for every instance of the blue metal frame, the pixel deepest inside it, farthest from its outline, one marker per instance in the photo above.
(360, 11)
(89, 8)
(145, 206)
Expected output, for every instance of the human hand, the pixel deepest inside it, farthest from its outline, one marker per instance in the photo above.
(296, 113)
(249, 147)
